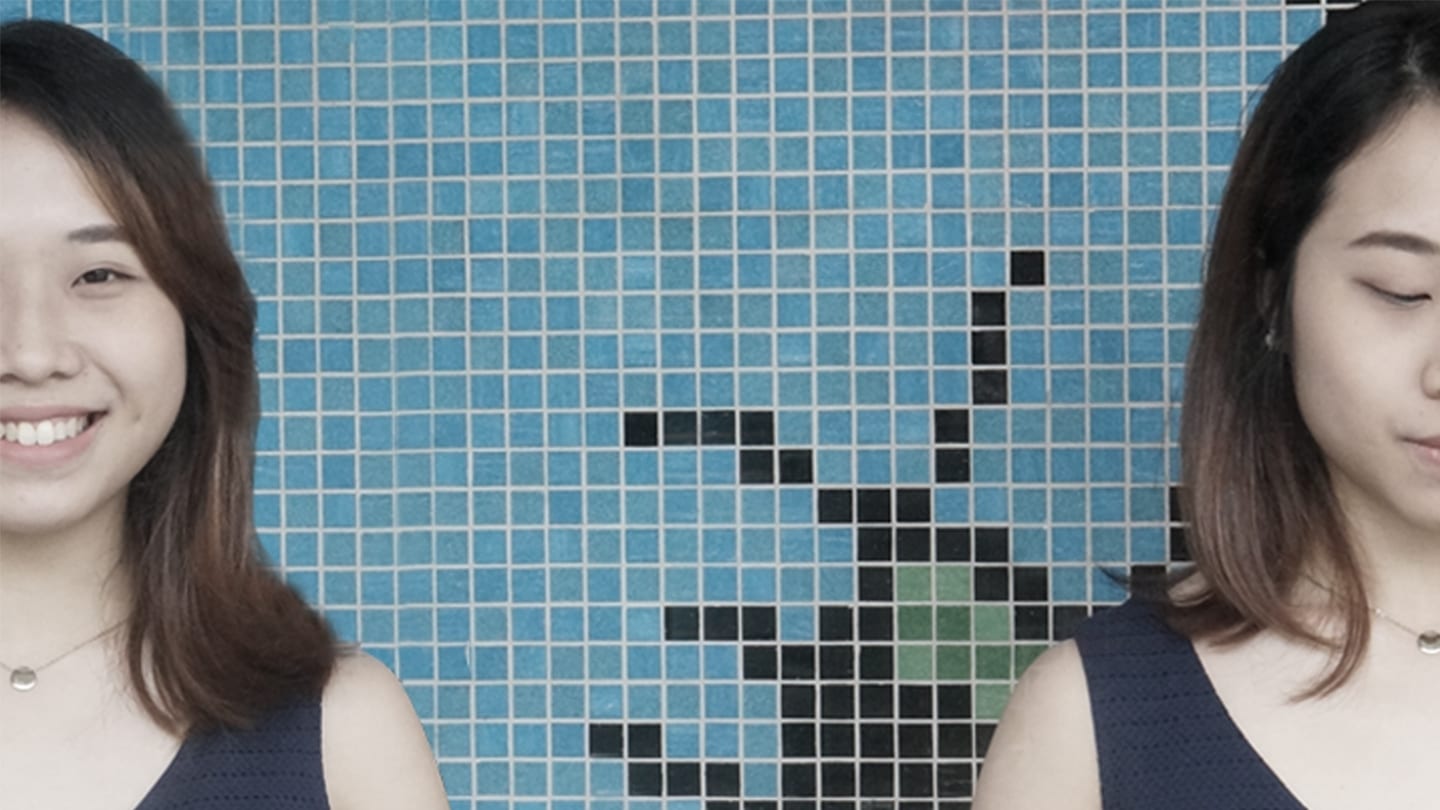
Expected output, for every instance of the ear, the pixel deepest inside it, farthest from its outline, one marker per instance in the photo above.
(1272, 300)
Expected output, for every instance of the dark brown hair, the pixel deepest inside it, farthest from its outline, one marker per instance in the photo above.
(214, 637)
(1256, 492)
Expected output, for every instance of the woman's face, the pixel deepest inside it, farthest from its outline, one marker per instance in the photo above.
(92, 352)
(1366, 348)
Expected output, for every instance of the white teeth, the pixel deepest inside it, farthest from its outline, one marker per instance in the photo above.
(45, 432)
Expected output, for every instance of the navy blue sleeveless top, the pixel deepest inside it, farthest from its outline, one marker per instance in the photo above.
(1163, 737)
(275, 764)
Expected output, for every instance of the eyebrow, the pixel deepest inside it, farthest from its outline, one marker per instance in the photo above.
(95, 234)
(1398, 240)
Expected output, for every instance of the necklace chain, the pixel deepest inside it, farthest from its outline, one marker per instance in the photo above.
(23, 678)
(1427, 641)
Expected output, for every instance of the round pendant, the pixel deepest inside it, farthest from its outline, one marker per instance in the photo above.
(23, 679)
(1429, 642)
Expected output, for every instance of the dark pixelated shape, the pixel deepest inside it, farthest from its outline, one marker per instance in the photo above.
(835, 506)
(837, 739)
(607, 740)
(837, 701)
(955, 740)
(797, 739)
(680, 427)
(877, 779)
(1032, 583)
(797, 467)
(917, 779)
(917, 702)
(991, 584)
(912, 505)
(758, 623)
(873, 505)
(645, 779)
(992, 544)
(758, 662)
(877, 740)
(877, 624)
(916, 741)
(1067, 620)
(722, 623)
(797, 701)
(874, 544)
(877, 663)
(682, 779)
(1032, 623)
(757, 466)
(987, 308)
(912, 545)
(988, 348)
(952, 465)
(797, 779)
(717, 427)
(1027, 268)
(952, 426)
(877, 584)
(952, 701)
(722, 779)
(952, 544)
(989, 387)
(644, 741)
(837, 623)
(682, 623)
(757, 427)
(797, 662)
(641, 429)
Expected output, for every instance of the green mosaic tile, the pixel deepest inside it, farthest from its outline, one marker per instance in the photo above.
(1025, 655)
(952, 583)
(915, 623)
(952, 662)
(993, 663)
(912, 584)
(992, 623)
(990, 700)
(915, 663)
(953, 624)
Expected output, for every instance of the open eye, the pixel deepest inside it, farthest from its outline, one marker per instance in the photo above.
(100, 275)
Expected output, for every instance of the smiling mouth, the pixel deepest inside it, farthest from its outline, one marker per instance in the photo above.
(45, 432)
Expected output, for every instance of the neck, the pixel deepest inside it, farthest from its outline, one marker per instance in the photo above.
(1400, 565)
(60, 588)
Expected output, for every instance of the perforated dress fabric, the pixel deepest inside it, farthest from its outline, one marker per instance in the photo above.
(277, 764)
(1163, 737)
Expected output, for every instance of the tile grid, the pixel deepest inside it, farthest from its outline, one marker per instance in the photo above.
(417, 577)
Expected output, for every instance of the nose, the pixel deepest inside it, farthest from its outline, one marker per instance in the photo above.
(34, 342)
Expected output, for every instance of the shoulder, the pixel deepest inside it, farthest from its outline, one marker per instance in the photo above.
(374, 749)
(1043, 753)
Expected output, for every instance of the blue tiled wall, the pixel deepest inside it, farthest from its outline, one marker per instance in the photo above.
(721, 401)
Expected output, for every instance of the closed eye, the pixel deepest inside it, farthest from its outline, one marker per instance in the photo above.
(1399, 298)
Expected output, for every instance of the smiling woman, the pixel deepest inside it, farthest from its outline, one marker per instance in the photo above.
(152, 659)
(1294, 665)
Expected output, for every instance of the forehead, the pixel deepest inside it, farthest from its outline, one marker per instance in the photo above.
(1394, 179)
(42, 186)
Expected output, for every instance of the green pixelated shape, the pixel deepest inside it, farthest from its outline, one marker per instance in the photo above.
(990, 700)
(953, 624)
(915, 623)
(992, 623)
(952, 583)
(1025, 655)
(952, 662)
(914, 662)
(992, 663)
(912, 584)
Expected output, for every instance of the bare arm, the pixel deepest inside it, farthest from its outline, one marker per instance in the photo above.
(375, 752)
(1043, 753)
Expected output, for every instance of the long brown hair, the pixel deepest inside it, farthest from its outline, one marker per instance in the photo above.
(214, 637)
(1256, 492)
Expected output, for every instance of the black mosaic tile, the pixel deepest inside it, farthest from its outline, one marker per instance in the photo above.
(1032, 623)
(680, 427)
(912, 544)
(722, 779)
(644, 742)
(877, 701)
(645, 779)
(837, 701)
(953, 701)
(837, 623)
(1027, 268)
(877, 584)
(912, 505)
(877, 623)
(837, 662)
(682, 779)
(877, 663)
(1032, 583)
(952, 465)
(717, 427)
(873, 505)
(758, 622)
(641, 429)
(988, 347)
(837, 740)
(987, 309)
(722, 623)
(953, 544)
(874, 544)
(797, 662)
(835, 506)
(989, 387)
(797, 466)
(757, 428)
(757, 466)
(682, 623)
(758, 662)
(797, 739)
(952, 426)
(607, 740)
(992, 544)
(797, 701)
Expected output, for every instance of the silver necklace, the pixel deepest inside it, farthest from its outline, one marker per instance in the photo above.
(1428, 641)
(23, 678)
